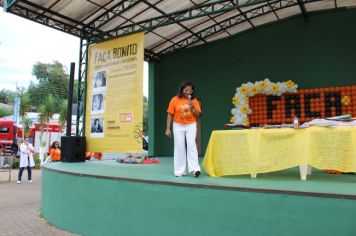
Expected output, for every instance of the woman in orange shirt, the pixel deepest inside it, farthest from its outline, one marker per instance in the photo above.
(55, 152)
(183, 111)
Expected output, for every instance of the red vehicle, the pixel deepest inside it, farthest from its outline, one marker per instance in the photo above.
(10, 135)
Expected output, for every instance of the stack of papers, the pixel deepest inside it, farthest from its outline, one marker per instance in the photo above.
(330, 122)
(233, 126)
(278, 126)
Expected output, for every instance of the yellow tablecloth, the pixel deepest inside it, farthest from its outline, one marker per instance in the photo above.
(237, 152)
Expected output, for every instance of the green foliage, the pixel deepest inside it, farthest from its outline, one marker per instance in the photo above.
(75, 91)
(26, 124)
(16, 162)
(57, 88)
(37, 160)
(47, 109)
(45, 72)
(52, 80)
(63, 104)
(25, 104)
(7, 96)
(5, 112)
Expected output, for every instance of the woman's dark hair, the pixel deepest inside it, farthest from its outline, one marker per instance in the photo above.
(182, 87)
(97, 123)
(54, 144)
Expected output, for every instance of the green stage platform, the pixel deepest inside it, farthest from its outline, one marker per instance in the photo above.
(108, 198)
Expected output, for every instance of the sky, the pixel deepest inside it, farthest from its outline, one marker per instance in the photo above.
(24, 42)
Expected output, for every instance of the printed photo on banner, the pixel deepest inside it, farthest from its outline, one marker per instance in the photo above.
(98, 104)
(97, 127)
(99, 80)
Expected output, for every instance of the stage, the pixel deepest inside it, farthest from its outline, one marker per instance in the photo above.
(110, 198)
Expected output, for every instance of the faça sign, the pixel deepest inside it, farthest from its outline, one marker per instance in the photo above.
(306, 104)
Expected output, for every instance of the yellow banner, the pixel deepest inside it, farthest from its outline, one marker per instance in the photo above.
(113, 120)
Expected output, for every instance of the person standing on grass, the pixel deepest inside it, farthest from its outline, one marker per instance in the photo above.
(26, 160)
(183, 111)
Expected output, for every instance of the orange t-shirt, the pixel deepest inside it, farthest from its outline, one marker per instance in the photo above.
(55, 154)
(182, 114)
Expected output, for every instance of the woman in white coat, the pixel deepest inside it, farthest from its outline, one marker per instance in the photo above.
(26, 160)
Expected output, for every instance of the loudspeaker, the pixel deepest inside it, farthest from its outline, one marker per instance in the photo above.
(73, 148)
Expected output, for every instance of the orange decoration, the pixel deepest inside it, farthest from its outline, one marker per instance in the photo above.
(258, 105)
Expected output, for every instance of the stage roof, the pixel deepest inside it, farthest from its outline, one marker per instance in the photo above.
(169, 25)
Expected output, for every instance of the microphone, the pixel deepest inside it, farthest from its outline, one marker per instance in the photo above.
(190, 99)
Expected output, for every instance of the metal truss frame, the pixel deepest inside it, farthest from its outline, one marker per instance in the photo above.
(173, 18)
(264, 9)
(91, 32)
(82, 81)
(112, 13)
(74, 29)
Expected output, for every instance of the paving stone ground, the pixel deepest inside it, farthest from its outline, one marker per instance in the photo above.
(20, 207)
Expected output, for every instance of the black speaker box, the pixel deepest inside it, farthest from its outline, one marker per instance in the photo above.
(73, 148)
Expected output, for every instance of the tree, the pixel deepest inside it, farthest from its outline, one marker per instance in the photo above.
(52, 80)
(62, 114)
(5, 112)
(7, 96)
(47, 109)
(27, 122)
(46, 72)
(25, 106)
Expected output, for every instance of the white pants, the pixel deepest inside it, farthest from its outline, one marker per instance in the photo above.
(181, 134)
